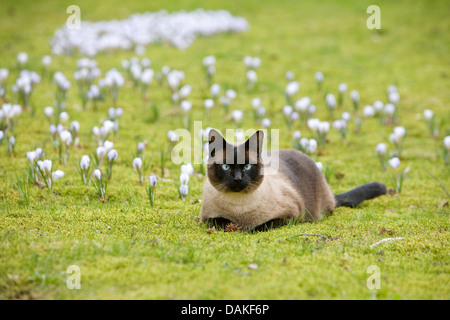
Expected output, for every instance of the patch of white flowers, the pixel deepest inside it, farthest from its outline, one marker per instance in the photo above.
(177, 28)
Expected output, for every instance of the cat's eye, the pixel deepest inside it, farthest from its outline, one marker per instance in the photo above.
(247, 166)
(225, 167)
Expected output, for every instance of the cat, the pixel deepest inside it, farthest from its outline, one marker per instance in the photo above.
(243, 190)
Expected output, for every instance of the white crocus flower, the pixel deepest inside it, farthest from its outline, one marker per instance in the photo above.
(289, 75)
(319, 77)
(369, 111)
(215, 90)
(394, 97)
(184, 190)
(97, 174)
(186, 105)
(63, 117)
(85, 162)
(108, 145)
(287, 110)
(389, 109)
(296, 135)
(187, 168)
(31, 156)
(137, 163)
(381, 149)
(331, 101)
(48, 111)
(58, 174)
(428, 114)
(22, 58)
(208, 103)
(237, 115)
(112, 155)
(66, 137)
(101, 152)
(184, 178)
(342, 88)
(394, 163)
(153, 180)
(319, 165)
(46, 166)
(447, 142)
(265, 122)
(292, 88)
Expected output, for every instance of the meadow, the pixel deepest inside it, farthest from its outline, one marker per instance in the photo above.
(127, 248)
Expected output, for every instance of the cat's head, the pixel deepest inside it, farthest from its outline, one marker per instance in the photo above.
(235, 167)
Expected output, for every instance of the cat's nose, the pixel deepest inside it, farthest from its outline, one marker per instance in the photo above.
(237, 176)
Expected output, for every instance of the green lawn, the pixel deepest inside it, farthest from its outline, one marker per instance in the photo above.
(126, 249)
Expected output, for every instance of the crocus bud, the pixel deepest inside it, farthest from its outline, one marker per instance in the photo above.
(186, 106)
(187, 168)
(369, 111)
(108, 145)
(63, 117)
(237, 115)
(75, 126)
(184, 178)
(208, 103)
(141, 146)
(287, 110)
(215, 90)
(31, 156)
(400, 131)
(265, 122)
(112, 155)
(447, 142)
(66, 137)
(97, 174)
(39, 153)
(428, 114)
(137, 163)
(12, 141)
(342, 88)
(153, 181)
(319, 76)
(46, 60)
(58, 174)
(184, 190)
(389, 109)
(354, 95)
(319, 165)
(381, 148)
(394, 163)
(85, 162)
(330, 100)
(48, 111)
(45, 166)
(52, 129)
(22, 58)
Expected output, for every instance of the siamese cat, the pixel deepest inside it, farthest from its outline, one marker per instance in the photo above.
(242, 188)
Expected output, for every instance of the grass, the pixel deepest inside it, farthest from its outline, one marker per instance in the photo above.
(127, 249)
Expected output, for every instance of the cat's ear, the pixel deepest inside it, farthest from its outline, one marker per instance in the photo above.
(254, 144)
(215, 142)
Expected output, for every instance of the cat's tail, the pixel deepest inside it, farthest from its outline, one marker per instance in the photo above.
(357, 195)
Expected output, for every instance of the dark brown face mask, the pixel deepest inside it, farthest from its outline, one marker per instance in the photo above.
(235, 168)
